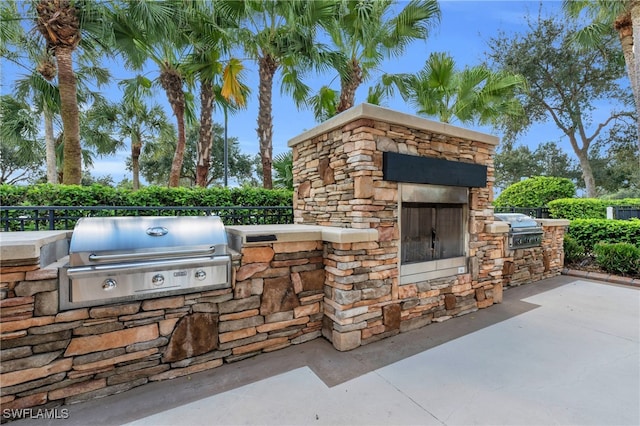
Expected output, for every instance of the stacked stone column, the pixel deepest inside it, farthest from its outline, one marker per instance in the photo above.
(338, 180)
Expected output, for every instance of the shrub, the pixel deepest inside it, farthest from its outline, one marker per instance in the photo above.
(586, 208)
(99, 195)
(573, 252)
(13, 195)
(619, 258)
(535, 192)
(589, 232)
(71, 195)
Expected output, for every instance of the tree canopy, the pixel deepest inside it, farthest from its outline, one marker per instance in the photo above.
(182, 49)
(565, 92)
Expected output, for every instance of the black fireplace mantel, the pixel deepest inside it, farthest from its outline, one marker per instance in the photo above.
(435, 171)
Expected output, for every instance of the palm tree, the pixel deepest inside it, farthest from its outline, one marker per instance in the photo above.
(283, 166)
(44, 97)
(27, 52)
(39, 84)
(278, 35)
(473, 95)
(220, 79)
(20, 148)
(132, 119)
(624, 17)
(153, 30)
(364, 33)
(62, 23)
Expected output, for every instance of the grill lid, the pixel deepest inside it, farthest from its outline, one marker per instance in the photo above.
(517, 220)
(117, 239)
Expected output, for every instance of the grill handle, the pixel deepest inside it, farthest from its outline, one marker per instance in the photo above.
(129, 256)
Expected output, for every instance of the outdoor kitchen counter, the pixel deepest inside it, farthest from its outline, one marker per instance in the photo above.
(48, 246)
(553, 222)
(244, 235)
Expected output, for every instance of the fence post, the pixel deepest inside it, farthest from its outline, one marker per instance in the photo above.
(610, 214)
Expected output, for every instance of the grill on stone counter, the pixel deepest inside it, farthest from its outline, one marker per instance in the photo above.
(116, 259)
(524, 232)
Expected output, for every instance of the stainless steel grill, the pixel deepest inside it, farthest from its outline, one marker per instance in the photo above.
(524, 232)
(115, 259)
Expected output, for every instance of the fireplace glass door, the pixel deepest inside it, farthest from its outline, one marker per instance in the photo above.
(431, 231)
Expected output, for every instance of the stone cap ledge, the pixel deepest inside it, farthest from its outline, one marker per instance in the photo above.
(496, 228)
(27, 244)
(553, 222)
(297, 233)
(374, 112)
(348, 235)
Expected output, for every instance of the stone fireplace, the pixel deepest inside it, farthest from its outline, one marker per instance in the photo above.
(426, 188)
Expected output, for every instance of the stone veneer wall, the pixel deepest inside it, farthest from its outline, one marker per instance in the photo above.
(51, 358)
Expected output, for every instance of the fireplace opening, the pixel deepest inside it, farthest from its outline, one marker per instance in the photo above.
(433, 231)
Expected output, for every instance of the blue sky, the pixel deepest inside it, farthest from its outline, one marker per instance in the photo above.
(464, 31)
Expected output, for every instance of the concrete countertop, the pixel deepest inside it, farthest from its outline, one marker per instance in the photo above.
(553, 222)
(260, 234)
(27, 244)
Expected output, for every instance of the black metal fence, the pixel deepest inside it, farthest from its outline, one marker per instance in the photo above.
(626, 212)
(25, 218)
(534, 212)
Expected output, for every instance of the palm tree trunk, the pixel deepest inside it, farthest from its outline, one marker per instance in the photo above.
(136, 147)
(72, 170)
(171, 82)
(205, 141)
(178, 157)
(634, 62)
(50, 145)
(349, 85)
(267, 69)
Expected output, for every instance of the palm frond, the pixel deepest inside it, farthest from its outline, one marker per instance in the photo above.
(232, 82)
(324, 103)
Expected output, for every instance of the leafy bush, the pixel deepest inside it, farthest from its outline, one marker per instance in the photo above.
(99, 195)
(586, 208)
(589, 232)
(619, 258)
(573, 252)
(13, 195)
(535, 192)
(72, 195)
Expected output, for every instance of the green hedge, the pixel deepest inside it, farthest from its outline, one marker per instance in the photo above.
(586, 208)
(535, 192)
(588, 232)
(99, 195)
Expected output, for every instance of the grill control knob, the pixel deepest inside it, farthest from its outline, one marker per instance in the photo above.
(200, 275)
(109, 284)
(157, 280)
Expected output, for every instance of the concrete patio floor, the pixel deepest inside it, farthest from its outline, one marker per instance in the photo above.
(560, 351)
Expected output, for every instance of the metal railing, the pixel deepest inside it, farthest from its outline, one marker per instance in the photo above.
(37, 218)
(626, 212)
(534, 212)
